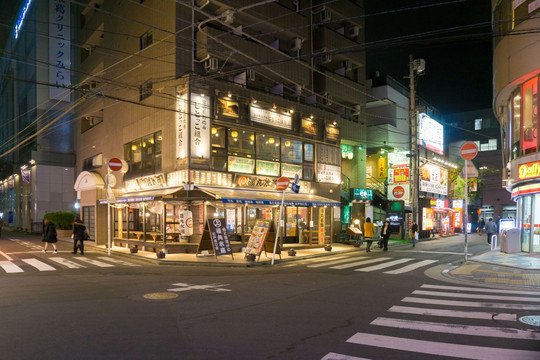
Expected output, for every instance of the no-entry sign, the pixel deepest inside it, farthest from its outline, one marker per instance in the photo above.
(115, 164)
(468, 150)
(282, 183)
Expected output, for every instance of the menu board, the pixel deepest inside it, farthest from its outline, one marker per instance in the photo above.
(258, 235)
(215, 238)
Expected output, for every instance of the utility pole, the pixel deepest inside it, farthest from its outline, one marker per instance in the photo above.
(416, 67)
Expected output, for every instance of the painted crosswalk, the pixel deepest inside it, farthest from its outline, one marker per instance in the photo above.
(360, 263)
(53, 263)
(460, 328)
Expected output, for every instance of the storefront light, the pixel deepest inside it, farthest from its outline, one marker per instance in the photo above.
(133, 147)
(229, 94)
(271, 140)
(350, 155)
(234, 134)
(214, 131)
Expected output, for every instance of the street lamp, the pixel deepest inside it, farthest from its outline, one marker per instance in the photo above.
(417, 67)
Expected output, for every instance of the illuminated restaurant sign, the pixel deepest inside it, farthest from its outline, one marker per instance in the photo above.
(431, 134)
(270, 117)
(398, 176)
(181, 126)
(529, 170)
(200, 126)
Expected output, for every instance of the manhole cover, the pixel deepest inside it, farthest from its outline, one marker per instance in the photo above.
(160, 296)
(533, 320)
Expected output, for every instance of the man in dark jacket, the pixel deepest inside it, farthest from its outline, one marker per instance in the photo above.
(79, 231)
(491, 228)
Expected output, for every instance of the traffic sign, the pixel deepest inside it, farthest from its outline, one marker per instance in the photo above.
(115, 164)
(295, 188)
(468, 150)
(282, 183)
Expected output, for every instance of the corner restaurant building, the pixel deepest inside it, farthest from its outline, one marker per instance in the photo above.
(219, 156)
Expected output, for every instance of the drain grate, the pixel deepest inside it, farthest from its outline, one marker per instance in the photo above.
(533, 320)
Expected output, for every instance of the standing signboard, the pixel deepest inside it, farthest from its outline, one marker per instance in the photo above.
(215, 238)
(262, 237)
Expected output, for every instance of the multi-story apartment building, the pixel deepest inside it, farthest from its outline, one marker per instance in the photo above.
(37, 127)
(516, 69)
(208, 105)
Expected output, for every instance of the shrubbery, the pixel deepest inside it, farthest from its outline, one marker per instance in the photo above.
(62, 220)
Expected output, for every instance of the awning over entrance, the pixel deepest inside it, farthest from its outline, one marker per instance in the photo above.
(256, 197)
(147, 195)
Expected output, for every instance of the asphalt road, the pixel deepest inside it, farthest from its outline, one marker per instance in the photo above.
(381, 305)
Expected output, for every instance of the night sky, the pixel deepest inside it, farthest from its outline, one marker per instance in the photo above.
(458, 62)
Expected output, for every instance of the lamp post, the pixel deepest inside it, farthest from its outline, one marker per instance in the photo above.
(416, 68)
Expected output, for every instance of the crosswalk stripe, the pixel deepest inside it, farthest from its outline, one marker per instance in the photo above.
(479, 289)
(454, 313)
(117, 261)
(40, 265)
(459, 329)
(67, 263)
(10, 267)
(94, 262)
(334, 262)
(442, 349)
(334, 356)
(358, 263)
(411, 267)
(384, 265)
(475, 296)
(471, 304)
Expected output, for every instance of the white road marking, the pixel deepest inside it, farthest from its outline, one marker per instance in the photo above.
(480, 289)
(358, 263)
(67, 263)
(40, 265)
(117, 261)
(5, 255)
(384, 265)
(93, 262)
(442, 349)
(209, 287)
(454, 313)
(432, 252)
(459, 329)
(411, 267)
(10, 267)
(326, 263)
(475, 296)
(471, 304)
(335, 356)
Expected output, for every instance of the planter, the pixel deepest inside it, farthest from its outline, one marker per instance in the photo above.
(133, 250)
(292, 252)
(160, 255)
(64, 233)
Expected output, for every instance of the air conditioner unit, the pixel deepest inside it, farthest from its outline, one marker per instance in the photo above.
(347, 64)
(211, 64)
(250, 75)
(296, 44)
(327, 98)
(325, 15)
(353, 31)
(227, 17)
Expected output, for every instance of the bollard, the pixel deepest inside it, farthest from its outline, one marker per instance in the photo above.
(494, 241)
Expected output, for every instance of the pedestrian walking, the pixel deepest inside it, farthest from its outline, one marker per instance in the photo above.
(79, 235)
(481, 224)
(414, 233)
(491, 228)
(369, 233)
(49, 236)
(385, 235)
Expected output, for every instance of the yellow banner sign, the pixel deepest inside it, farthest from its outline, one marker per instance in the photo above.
(529, 170)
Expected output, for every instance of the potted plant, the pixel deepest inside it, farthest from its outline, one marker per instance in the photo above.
(63, 222)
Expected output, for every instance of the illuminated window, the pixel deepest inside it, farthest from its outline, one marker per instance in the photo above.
(478, 124)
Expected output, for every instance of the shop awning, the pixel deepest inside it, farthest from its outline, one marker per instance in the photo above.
(146, 195)
(256, 197)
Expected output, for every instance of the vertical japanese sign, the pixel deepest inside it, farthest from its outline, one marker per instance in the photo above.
(322, 225)
(25, 174)
(59, 49)
(200, 127)
(218, 235)
(181, 126)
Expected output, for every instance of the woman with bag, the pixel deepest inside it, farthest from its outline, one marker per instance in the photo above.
(49, 236)
(79, 234)
(385, 235)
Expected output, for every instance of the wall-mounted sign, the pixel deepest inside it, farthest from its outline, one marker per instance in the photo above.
(361, 194)
(227, 107)
(398, 175)
(398, 159)
(328, 155)
(529, 170)
(332, 132)
(25, 174)
(328, 174)
(59, 49)
(322, 225)
(200, 126)
(398, 192)
(434, 179)
(427, 219)
(309, 127)
(255, 182)
(431, 134)
(290, 170)
(381, 167)
(270, 117)
(458, 215)
(181, 126)
(267, 168)
(242, 165)
(152, 181)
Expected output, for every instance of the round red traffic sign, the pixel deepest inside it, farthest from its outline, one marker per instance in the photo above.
(115, 164)
(282, 183)
(468, 150)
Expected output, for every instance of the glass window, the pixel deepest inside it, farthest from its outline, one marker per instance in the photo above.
(308, 172)
(219, 159)
(143, 155)
(241, 143)
(530, 116)
(147, 150)
(218, 137)
(492, 144)
(268, 147)
(526, 229)
(516, 121)
(291, 151)
(535, 246)
(308, 153)
(478, 124)
(145, 40)
(136, 153)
